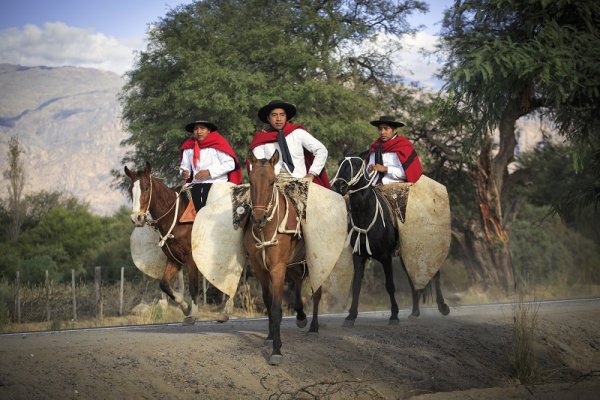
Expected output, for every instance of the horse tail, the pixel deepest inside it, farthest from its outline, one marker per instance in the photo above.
(426, 294)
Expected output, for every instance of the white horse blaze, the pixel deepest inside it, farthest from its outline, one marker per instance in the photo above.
(136, 193)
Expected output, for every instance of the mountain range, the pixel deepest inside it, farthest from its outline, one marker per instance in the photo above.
(68, 122)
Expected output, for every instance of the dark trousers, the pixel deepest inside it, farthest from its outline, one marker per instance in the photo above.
(199, 194)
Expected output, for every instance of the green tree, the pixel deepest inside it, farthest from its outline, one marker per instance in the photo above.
(15, 173)
(67, 234)
(507, 59)
(114, 252)
(553, 181)
(223, 59)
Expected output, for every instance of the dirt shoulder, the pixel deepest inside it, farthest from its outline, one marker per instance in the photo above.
(462, 356)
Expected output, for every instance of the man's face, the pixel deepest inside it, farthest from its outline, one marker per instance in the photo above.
(277, 118)
(201, 131)
(386, 132)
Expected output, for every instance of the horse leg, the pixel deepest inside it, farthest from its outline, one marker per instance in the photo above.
(314, 324)
(295, 276)
(171, 270)
(416, 294)
(390, 288)
(359, 271)
(277, 273)
(193, 288)
(439, 298)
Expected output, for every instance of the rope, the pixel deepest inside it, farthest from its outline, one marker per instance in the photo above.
(354, 179)
(261, 243)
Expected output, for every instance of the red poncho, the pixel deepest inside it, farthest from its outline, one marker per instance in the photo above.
(218, 142)
(271, 136)
(405, 152)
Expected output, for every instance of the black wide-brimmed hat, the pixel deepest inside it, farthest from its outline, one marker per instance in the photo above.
(190, 127)
(387, 120)
(290, 110)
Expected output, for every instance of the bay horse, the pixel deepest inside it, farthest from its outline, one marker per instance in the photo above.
(271, 252)
(151, 196)
(373, 226)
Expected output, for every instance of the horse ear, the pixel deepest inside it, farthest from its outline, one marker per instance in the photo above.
(347, 151)
(274, 158)
(148, 168)
(251, 157)
(128, 172)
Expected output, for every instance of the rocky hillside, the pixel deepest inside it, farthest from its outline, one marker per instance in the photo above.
(68, 121)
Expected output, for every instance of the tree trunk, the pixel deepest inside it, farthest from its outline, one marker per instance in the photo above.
(487, 263)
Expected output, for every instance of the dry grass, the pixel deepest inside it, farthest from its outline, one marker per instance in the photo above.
(523, 362)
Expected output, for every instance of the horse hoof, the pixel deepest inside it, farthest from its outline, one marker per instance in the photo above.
(444, 309)
(413, 316)
(348, 323)
(268, 342)
(394, 322)
(189, 320)
(301, 323)
(275, 359)
(313, 333)
(222, 318)
(188, 311)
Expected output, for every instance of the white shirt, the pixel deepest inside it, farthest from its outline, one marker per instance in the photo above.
(395, 171)
(297, 141)
(217, 163)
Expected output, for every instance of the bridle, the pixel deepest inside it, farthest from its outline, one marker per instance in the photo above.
(152, 222)
(270, 208)
(354, 179)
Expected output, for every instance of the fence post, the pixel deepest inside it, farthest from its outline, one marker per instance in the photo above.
(18, 297)
(74, 296)
(204, 289)
(121, 291)
(98, 290)
(47, 296)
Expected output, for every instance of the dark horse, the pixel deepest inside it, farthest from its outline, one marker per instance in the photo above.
(151, 196)
(271, 252)
(372, 225)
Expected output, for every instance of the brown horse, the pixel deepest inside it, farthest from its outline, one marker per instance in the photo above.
(151, 196)
(270, 252)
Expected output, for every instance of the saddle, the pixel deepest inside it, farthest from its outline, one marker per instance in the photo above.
(395, 196)
(189, 215)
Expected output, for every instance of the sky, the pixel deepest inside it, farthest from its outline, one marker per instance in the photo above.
(106, 34)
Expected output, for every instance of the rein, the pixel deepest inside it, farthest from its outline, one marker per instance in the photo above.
(354, 180)
(153, 222)
(260, 242)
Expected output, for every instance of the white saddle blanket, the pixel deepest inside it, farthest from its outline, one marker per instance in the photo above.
(217, 246)
(425, 233)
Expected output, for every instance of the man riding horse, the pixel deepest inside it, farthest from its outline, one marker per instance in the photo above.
(302, 155)
(207, 158)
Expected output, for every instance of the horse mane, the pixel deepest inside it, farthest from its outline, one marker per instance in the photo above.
(362, 154)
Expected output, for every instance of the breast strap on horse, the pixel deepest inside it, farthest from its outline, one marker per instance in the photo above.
(294, 191)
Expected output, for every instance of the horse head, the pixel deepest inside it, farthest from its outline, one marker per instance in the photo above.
(140, 191)
(351, 171)
(263, 192)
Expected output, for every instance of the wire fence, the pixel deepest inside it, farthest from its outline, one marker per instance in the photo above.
(22, 302)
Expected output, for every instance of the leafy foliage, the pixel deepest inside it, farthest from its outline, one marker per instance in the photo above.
(61, 234)
(545, 251)
(223, 60)
(542, 53)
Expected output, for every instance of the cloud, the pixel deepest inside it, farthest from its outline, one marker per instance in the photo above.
(416, 60)
(412, 56)
(56, 44)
